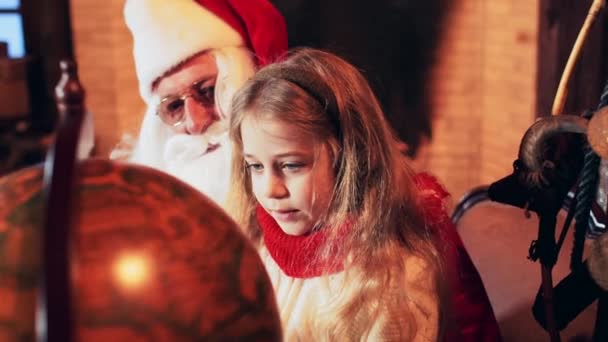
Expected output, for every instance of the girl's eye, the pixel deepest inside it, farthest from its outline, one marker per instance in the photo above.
(255, 167)
(292, 166)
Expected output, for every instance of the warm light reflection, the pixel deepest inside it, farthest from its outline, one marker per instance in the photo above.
(132, 270)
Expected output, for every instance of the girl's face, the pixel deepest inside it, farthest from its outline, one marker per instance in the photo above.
(291, 174)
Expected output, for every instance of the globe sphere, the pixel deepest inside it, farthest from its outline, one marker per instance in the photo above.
(152, 260)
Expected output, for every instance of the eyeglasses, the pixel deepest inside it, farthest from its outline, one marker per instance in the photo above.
(171, 108)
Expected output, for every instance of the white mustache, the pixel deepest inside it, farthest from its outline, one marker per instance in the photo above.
(185, 158)
(184, 147)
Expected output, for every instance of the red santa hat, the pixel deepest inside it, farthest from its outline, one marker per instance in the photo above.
(168, 32)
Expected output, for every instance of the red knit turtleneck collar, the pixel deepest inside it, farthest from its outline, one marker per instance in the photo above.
(296, 255)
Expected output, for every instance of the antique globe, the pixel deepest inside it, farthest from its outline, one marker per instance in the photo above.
(153, 260)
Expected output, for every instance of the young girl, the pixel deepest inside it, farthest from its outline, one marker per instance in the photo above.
(322, 189)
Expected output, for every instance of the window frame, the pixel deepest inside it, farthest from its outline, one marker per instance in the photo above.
(19, 11)
(47, 38)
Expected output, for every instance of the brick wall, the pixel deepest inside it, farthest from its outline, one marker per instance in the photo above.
(483, 85)
(483, 91)
(103, 48)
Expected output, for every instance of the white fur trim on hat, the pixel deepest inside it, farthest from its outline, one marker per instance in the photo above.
(167, 32)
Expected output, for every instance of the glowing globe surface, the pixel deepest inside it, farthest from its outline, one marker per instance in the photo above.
(154, 260)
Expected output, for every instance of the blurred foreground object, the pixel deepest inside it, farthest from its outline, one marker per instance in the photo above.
(153, 260)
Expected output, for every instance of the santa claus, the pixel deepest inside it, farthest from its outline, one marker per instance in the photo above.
(190, 57)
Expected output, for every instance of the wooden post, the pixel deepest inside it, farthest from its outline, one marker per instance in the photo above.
(55, 319)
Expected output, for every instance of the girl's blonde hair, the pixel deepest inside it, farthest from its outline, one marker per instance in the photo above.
(329, 99)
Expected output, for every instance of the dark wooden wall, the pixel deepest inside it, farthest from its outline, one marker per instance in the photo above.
(48, 39)
(392, 42)
(559, 24)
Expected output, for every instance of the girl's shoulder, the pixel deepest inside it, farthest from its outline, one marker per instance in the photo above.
(433, 199)
(429, 186)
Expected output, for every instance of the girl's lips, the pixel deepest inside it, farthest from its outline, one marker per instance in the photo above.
(284, 215)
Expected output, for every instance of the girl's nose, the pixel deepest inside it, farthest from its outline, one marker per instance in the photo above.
(275, 187)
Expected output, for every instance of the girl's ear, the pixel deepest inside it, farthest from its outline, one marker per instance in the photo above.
(335, 152)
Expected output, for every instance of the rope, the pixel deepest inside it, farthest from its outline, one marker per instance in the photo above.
(585, 196)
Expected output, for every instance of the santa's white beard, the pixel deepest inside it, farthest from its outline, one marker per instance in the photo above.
(184, 156)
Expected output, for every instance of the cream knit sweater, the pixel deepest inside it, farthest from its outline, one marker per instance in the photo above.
(308, 307)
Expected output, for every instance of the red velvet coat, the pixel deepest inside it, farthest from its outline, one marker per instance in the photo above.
(472, 317)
